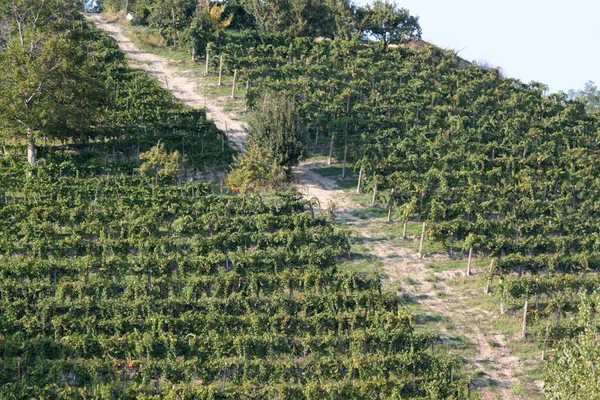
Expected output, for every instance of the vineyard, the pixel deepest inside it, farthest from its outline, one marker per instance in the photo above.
(135, 287)
(490, 166)
(142, 257)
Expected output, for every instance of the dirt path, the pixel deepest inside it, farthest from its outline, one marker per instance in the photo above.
(182, 87)
(492, 357)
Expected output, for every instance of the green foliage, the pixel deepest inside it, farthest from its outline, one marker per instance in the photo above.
(166, 165)
(171, 17)
(44, 85)
(255, 170)
(590, 96)
(207, 22)
(74, 86)
(390, 24)
(275, 127)
(573, 373)
(293, 18)
(111, 287)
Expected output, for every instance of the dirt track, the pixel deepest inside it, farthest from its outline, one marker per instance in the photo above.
(494, 360)
(182, 87)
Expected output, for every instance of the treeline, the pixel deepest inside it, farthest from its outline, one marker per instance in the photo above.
(191, 24)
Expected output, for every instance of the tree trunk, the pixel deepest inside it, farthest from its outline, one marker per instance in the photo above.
(469, 261)
(234, 83)
(31, 152)
(422, 240)
(330, 150)
(221, 70)
(404, 229)
(524, 319)
(544, 348)
(344, 163)
(360, 174)
(174, 27)
(317, 137)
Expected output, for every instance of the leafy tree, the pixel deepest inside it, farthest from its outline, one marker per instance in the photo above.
(163, 163)
(208, 20)
(590, 96)
(295, 18)
(275, 127)
(171, 17)
(45, 89)
(254, 170)
(391, 24)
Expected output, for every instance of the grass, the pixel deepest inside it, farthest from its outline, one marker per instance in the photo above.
(454, 264)
(335, 171)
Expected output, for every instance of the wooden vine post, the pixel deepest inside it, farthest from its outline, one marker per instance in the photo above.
(524, 327)
(221, 70)
(501, 295)
(422, 240)
(330, 150)
(344, 163)
(360, 175)
(207, 59)
(489, 277)
(391, 205)
(469, 261)
(374, 195)
(234, 83)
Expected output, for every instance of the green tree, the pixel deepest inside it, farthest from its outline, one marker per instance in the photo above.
(391, 24)
(45, 89)
(275, 127)
(590, 96)
(171, 17)
(208, 20)
(254, 170)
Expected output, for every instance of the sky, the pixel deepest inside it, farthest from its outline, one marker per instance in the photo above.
(553, 42)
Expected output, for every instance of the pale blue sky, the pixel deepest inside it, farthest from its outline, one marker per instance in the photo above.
(553, 42)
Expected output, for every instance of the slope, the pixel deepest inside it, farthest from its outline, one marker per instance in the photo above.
(182, 87)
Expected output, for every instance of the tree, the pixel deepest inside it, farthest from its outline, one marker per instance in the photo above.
(170, 17)
(391, 24)
(166, 165)
(255, 170)
(590, 96)
(208, 20)
(45, 89)
(297, 17)
(275, 127)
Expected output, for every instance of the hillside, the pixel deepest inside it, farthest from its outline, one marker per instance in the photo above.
(397, 223)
